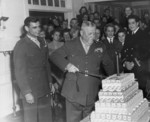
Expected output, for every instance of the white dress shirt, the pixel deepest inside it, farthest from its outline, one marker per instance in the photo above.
(110, 40)
(86, 47)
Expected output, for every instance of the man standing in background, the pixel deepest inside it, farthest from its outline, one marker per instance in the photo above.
(136, 53)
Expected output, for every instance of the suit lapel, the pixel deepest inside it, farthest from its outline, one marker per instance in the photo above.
(108, 44)
(32, 43)
(92, 48)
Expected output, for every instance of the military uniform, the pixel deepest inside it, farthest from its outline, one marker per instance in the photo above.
(81, 89)
(136, 49)
(32, 73)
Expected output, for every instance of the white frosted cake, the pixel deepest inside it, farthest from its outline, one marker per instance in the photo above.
(120, 100)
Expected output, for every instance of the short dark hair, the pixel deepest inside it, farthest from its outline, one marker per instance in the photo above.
(109, 25)
(28, 20)
(136, 18)
(121, 30)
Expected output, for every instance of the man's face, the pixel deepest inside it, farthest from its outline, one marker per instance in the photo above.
(133, 25)
(33, 29)
(97, 23)
(88, 35)
(73, 23)
(110, 32)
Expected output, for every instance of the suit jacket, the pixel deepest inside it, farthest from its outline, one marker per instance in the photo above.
(112, 49)
(137, 45)
(77, 87)
(32, 70)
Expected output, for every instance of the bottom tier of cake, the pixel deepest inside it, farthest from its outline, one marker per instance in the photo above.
(134, 117)
(144, 118)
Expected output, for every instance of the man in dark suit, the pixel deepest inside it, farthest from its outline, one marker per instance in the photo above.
(32, 73)
(80, 58)
(136, 52)
(113, 46)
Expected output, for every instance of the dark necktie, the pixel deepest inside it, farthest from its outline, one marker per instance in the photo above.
(111, 41)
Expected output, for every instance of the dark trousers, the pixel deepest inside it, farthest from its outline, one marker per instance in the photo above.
(75, 112)
(40, 111)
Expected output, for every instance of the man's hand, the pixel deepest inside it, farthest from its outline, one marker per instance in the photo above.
(129, 65)
(29, 98)
(71, 68)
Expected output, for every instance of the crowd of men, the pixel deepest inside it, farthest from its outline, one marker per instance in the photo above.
(72, 62)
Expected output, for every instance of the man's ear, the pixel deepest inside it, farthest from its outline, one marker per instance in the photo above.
(26, 28)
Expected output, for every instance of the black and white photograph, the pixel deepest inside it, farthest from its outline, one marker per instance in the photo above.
(74, 60)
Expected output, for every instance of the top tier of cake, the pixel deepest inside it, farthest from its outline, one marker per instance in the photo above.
(118, 83)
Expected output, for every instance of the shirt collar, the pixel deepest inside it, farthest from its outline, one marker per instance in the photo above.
(35, 40)
(83, 42)
(135, 30)
(32, 38)
(110, 38)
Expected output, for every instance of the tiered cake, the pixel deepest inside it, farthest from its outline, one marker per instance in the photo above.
(120, 100)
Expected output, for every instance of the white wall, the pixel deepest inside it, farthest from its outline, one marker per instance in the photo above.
(76, 6)
(15, 10)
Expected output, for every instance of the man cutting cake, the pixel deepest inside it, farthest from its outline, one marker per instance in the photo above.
(79, 58)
